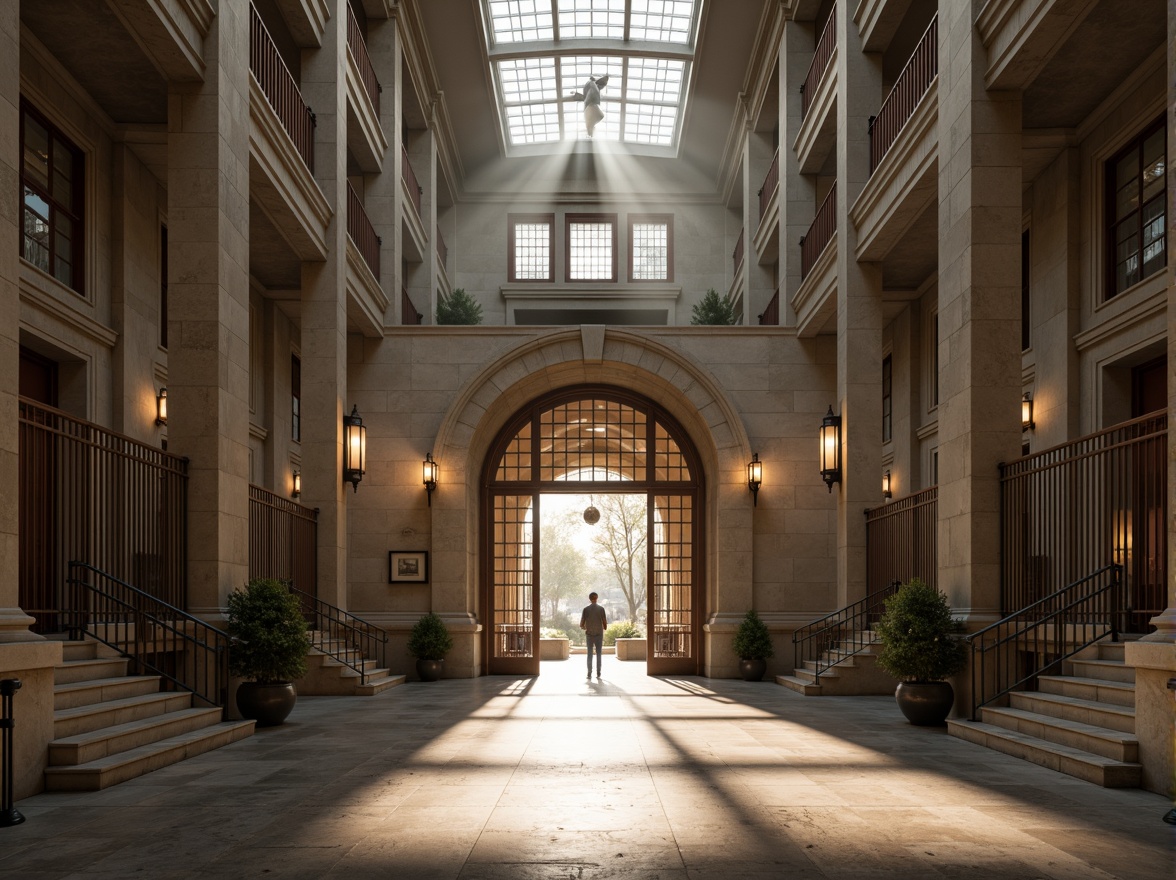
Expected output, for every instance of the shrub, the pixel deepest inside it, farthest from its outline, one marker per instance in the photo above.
(622, 629)
(546, 632)
(752, 640)
(267, 620)
(917, 630)
(430, 639)
(458, 308)
(713, 309)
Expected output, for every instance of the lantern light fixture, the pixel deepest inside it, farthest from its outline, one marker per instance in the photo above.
(755, 477)
(297, 487)
(831, 449)
(886, 491)
(161, 407)
(429, 475)
(354, 449)
(1027, 412)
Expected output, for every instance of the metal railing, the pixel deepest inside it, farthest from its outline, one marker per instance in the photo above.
(1010, 654)
(771, 182)
(280, 89)
(408, 312)
(826, 43)
(358, 47)
(410, 180)
(771, 314)
(346, 638)
(737, 254)
(88, 493)
(908, 90)
(1066, 511)
(901, 540)
(820, 233)
(841, 634)
(283, 540)
(361, 231)
(160, 639)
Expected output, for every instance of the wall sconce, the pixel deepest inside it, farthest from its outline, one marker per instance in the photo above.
(429, 475)
(354, 449)
(161, 407)
(297, 490)
(1027, 412)
(886, 491)
(831, 449)
(755, 476)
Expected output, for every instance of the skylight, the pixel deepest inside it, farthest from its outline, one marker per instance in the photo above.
(544, 52)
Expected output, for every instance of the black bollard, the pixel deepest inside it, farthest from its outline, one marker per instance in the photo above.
(9, 815)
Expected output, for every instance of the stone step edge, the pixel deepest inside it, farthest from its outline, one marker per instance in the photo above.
(1028, 740)
(1093, 731)
(80, 740)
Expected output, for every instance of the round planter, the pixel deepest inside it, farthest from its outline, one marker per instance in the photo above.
(753, 670)
(925, 703)
(267, 704)
(430, 670)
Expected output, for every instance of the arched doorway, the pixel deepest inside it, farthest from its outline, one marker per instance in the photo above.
(592, 439)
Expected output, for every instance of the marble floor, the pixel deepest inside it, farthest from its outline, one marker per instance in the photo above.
(628, 777)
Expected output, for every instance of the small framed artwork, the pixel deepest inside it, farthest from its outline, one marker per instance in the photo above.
(408, 566)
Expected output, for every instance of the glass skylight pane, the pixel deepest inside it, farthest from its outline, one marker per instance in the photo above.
(602, 19)
(654, 79)
(527, 79)
(650, 124)
(520, 21)
(574, 71)
(533, 123)
(666, 21)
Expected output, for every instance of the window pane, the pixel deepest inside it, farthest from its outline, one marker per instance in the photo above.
(1126, 185)
(533, 123)
(527, 79)
(650, 252)
(650, 124)
(36, 152)
(36, 252)
(1153, 237)
(515, 21)
(36, 204)
(62, 175)
(664, 20)
(1153, 164)
(654, 79)
(532, 252)
(592, 18)
(590, 252)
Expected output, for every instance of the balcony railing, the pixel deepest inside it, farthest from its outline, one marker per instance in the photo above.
(771, 315)
(820, 233)
(360, 228)
(358, 47)
(771, 181)
(91, 495)
(408, 312)
(410, 180)
(821, 55)
(737, 255)
(442, 249)
(280, 89)
(908, 90)
(901, 541)
(283, 542)
(1073, 509)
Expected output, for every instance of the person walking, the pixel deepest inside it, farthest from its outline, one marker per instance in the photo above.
(594, 622)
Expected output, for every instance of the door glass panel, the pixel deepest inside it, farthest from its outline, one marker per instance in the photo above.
(671, 608)
(513, 577)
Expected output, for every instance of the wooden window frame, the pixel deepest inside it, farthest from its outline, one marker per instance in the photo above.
(887, 399)
(1111, 223)
(295, 398)
(78, 214)
(512, 220)
(569, 219)
(651, 219)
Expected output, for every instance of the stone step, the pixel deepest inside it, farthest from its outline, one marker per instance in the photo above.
(95, 744)
(86, 670)
(799, 685)
(1099, 690)
(113, 769)
(75, 650)
(85, 693)
(1108, 715)
(1103, 670)
(1114, 744)
(1100, 770)
(1111, 650)
(94, 716)
(379, 685)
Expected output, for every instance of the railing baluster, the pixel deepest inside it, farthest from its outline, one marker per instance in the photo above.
(908, 90)
(826, 43)
(280, 89)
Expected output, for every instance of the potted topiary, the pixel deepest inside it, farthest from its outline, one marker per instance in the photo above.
(458, 308)
(429, 642)
(753, 646)
(919, 646)
(266, 621)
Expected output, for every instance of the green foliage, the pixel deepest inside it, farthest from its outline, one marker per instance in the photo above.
(713, 309)
(752, 640)
(546, 632)
(458, 308)
(563, 627)
(622, 629)
(267, 619)
(917, 635)
(430, 639)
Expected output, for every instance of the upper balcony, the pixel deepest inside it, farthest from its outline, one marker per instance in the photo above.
(815, 301)
(366, 300)
(818, 101)
(365, 134)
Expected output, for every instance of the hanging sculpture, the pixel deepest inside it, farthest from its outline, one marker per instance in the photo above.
(591, 98)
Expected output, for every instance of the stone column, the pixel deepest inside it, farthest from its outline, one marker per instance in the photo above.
(797, 191)
(859, 316)
(384, 196)
(208, 308)
(757, 277)
(979, 313)
(324, 313)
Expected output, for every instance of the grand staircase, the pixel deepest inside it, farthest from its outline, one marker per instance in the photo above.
(109, 726)
(336, 667)
(848, 669)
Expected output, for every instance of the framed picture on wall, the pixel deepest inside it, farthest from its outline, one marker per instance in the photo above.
(408, 566)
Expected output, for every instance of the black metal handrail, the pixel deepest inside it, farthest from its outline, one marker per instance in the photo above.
(341, 635)
(843, 633)
(159, 639)
(1036, 639)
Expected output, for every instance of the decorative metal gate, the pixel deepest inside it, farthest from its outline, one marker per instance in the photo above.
(584, 440)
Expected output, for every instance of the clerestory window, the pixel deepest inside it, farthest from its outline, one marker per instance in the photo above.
(52, 181)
